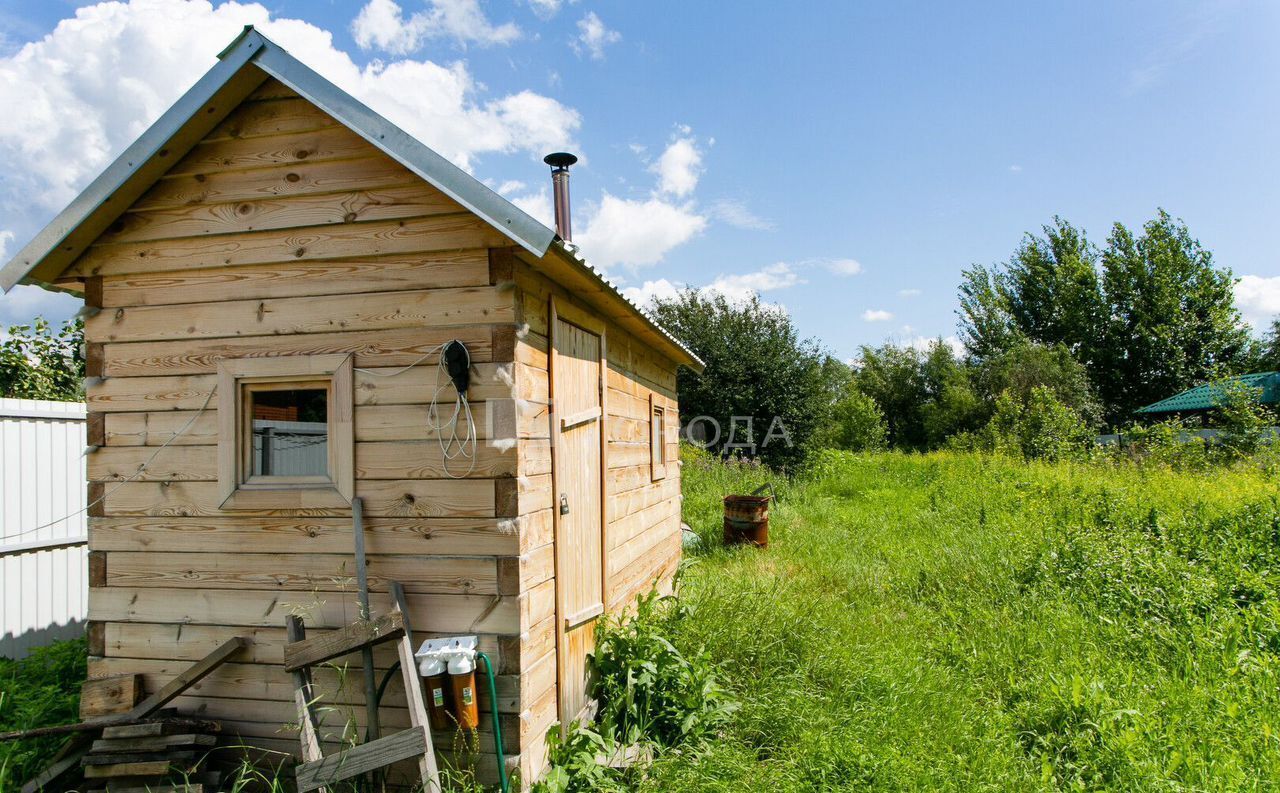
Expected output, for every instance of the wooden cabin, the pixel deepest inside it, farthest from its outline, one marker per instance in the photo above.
(271, 271)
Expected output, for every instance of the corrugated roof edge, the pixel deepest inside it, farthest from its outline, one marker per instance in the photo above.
(695, 363)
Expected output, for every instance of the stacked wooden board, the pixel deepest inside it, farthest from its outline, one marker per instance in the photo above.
(157, 757)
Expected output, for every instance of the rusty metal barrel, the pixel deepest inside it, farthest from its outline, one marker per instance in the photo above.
(746, 519)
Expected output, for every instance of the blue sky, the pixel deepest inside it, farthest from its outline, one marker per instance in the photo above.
(748, 145)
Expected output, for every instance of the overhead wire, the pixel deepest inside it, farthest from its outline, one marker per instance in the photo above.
(454, 447)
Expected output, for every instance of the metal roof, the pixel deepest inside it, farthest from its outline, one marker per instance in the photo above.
(243, 66)
(1209, 395)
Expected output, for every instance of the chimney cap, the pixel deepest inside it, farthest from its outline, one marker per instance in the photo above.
(560, 159)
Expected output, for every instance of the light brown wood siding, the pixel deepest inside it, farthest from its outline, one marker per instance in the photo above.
(642, 516)
(285, 234)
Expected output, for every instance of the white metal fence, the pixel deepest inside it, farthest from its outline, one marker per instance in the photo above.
(43, 575)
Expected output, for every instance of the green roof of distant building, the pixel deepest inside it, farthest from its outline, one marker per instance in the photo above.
(1209, 395)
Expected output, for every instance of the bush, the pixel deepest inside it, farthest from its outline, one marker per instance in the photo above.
(650, 694)
(857, 424)
(1041, 429)
(40, 690)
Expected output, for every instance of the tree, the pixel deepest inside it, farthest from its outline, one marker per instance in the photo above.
(986, 324)
(780, 387)
(1029, 365)
(1148, 317)
(37, 362)
(1172, 320)
(1054, 296)
(894, 377)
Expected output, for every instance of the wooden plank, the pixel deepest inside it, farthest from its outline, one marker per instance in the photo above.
(182, 682)
(343, 641)
(362, 759)
(413, 200)
(96, 758)
(384, 348)
(55, 770)
(369, 172)
(109, 695)
(303, 696)
(255, 679)
(429, 773)
(409, 537)
(157, 729)
(154, 768)
(282, 116)
(164, 393)
(300, 572)
(372, 423)
(331, 609)
(371, 238)
(440, 270)
(294, 315)
(332, 143)
(426, 498)
(394, 460)
(157, 743)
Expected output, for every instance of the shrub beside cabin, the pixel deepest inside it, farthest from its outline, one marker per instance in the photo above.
(272, 261)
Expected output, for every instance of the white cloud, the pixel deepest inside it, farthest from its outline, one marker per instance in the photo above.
(510, 186)
(6, 237)
(743, 285)
(909, 293)
(660, 289)
(593, 36)
(1015, 169)
(737, 214)
(636, 232)
(876, 315)
(679, 167)
(545, 8)
(99, 79)
(381, 25)
(24, 303)
(735, 287)
(844, 267)
(1258, 299)
(538, 206)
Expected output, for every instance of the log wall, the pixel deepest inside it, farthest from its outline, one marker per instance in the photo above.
(281, 234)
(642, 516)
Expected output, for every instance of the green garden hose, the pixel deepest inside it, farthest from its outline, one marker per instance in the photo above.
(497, 726)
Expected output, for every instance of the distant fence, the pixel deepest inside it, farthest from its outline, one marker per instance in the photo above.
(1209, 436)
(43, 573)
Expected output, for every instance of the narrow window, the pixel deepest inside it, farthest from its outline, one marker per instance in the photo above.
(657, 439)
(285, 432)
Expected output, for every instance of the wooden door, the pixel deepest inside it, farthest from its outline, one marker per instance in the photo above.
(578, 429)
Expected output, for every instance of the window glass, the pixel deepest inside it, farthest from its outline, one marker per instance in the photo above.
(290, 431)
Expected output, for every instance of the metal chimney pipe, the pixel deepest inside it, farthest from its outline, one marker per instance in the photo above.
(560, 162)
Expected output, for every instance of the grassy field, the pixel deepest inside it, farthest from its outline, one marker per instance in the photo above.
(958, 622)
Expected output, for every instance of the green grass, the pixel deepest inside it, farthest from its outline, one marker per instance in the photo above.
(40, 690)
(960, 622)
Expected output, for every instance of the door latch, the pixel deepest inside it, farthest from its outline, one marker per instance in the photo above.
(564, 504)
